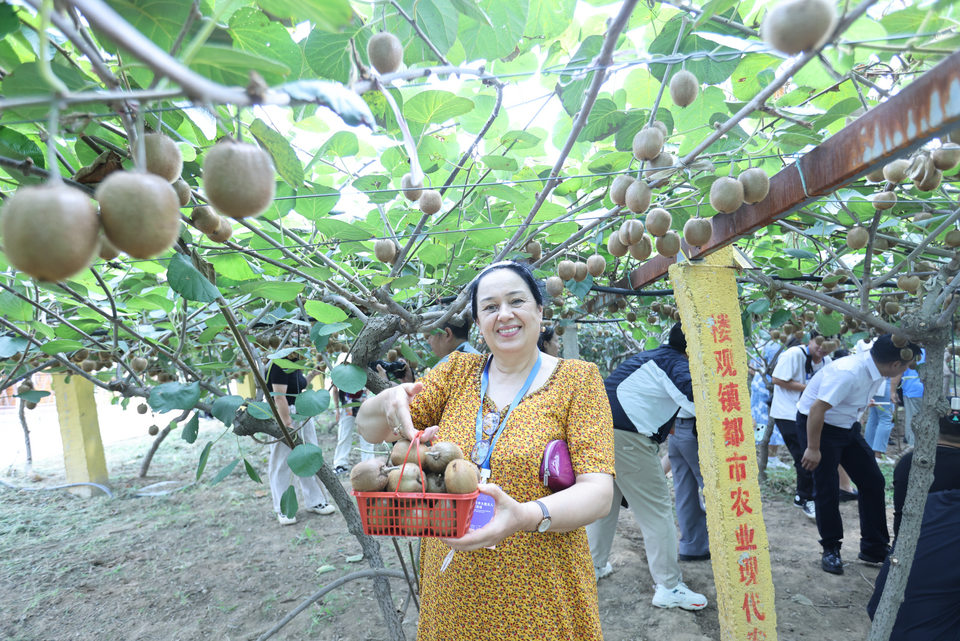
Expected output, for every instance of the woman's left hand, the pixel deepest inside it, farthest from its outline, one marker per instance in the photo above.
(509, 517)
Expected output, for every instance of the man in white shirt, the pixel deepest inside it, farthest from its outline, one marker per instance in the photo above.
(829, 432)
(794, 369)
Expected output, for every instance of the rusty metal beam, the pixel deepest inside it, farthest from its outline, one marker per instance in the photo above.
(927, 108)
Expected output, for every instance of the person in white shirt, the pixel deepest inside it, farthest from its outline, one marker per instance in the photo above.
(794, 369)
(829, 431)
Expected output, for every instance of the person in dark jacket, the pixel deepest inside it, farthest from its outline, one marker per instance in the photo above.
(645, 393)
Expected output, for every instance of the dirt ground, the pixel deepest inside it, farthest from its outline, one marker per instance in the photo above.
(211, 562)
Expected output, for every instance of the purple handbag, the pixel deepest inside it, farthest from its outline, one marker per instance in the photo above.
(556, 470)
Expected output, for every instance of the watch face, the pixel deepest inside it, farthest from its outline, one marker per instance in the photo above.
(544, 525)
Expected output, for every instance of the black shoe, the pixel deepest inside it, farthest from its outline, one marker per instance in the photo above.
(695, 557)
(831, 561)
(847, 496)
(340, 470)
(876, 561)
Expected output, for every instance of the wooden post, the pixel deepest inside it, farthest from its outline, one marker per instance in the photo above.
(706, 294)
(80, 430)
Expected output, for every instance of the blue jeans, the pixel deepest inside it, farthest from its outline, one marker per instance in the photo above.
(879, 425)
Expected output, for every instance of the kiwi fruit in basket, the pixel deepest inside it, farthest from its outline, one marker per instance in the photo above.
(369, 475)
(439, 455)
(461, 477)
(411, 481)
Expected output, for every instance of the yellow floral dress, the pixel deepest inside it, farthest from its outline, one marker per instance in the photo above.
(532, 586)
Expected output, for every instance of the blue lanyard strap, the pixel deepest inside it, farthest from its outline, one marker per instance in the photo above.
(484, 383)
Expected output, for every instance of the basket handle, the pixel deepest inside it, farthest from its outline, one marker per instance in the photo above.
(415, 441)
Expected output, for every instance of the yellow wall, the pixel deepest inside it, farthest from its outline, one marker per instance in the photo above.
(80, 430)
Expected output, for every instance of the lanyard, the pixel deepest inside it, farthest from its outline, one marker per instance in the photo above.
(484, 382)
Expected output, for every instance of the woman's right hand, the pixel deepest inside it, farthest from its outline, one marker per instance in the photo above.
(397, 411)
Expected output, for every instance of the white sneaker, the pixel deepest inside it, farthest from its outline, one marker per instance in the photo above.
(810, 509)
(323, 508)
(606, 570)
(282, 520)
(680, 596)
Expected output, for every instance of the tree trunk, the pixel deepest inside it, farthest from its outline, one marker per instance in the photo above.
(925, 429)
(145, 466)
(28, 466)
(763, 447)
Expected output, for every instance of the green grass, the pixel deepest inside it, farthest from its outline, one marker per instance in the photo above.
(783, 482)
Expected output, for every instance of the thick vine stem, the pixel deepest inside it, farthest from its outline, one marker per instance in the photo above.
(27, 168)
(867, 260)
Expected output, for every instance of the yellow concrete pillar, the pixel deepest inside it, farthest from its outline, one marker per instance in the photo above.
(247, 386)
(318, 382)
(706, 294)
(80, 431)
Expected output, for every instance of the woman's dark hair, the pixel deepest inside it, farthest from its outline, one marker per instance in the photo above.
(520, 269)
(677, 339)
(545, 337)
(884, 351)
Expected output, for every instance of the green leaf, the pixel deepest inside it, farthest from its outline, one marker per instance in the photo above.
(33, 396)
(343, 144)
(315, 203)
(759, 306)
(572, 92)
(547, 19)
(711, 70)
(471, 9)
(191, 429)
(276, 291)
(328, 55)
(351, 108)
(252, 473)
(324, 312)
(439, 18)
(13, 308)
(327, 15)
(8, 20)
(481, 39)
(225, 408)
(233, 266)
(55, 347)
(349, 378)
(230, 66)
(254, 32)
(14, 144)
(312, 402)
(333, 228)
(500, 163)
(604, 121)
(204, 455)
(260, 409)
(284, 158)
(174, 396)
(747, 322)
(778, 318)
(159, 20)
(436, 106)
(186, 280)
(376, 187)
(305, 460)
(225, 472)
(798, 253)
(519, 140)
(827, 324)
(26, 80)
(288, 503)
(432, 255)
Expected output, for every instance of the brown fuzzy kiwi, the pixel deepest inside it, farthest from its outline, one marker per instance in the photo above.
(638, 197)
(669, 244)
(224, 231)
(891, 308)
(433, 483)
(921, 216)
(410, 190)
(858, 237)
(385, 250)
(274, 341)
(596, 265)
(88, 366)
(142, 408)
(107, 250)
(876, 176)
(138, 364)
(554, 286)
(684, 88)
(205, 219)
(580, 274)
(430, 202)
(618, 190)
(238, 179)
(631, 317)
(662, 161)
(411, 481)
(647, 144)
(661, 126)
(659, 221)
(946, 157)
(697, 231)
(726, 195)
(163, 157)
(80, 355)
(642, 250)
(615, 247)
(931, 177)
(140, 213)
(184, 194)
(631, 232)
(399, 453)
(461, 477)
(439, 455)
(534, 249)
(899, 341)
(50, 232)
(369, 475)
(385, 52)
(952, 239)
(797, 25)
(909, 283)
(896, 171)
(884, 200)
(153, 430)
(443, 518)
(756, 185)
(566, 270)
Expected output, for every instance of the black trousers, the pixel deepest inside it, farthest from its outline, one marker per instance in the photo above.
(788, 430)
(848, 448)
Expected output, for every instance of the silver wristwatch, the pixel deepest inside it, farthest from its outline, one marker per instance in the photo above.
(546, 522)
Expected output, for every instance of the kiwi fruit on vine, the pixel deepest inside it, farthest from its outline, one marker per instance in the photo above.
(369, 475)
(631, 317)
(274, 341)
(238, 179)
(596, 265)
(659, 221)
(891, 307)
(205, 219)
(566, 270)
(50, 232)
(946, 157)
(638, 197)
(797, 25)
(140, 213)
(684, 88)
(663, 160)
(88, 366)
(899, 341)
(876, 176)
(921, 216)
(80, 355)
(142, 408)
(952, 239)
(647, 144)
(410, 481)
(441, 454)
(385, 250)
(931, 177)
(697, 231)
(668, 245)
(224, 231)
(138, 364)
(430, 202)
(631, 232)
(433, 483)
(534, 249)
(385, 52)
(580, 274)
(410, 190)
(896, 171)
(153, 430)
(615, 247)
(661, 126)
(726, 195)
(184, 194)
(618, 190)
(858, 237)
(642, 250)
(107, 250)
(884, 200)
(461, 477)
(554, 286)
(163, 157)
(756, 185)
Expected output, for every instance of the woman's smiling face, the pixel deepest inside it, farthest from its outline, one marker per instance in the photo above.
(509, 317)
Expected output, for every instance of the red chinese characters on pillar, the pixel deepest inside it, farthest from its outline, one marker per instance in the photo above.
(741, 502)
(756, 635)
(748, 571)
(725, 362)
(738, 467)
(721, 329)
(729, 397)
(733, 435)
(744, 536)
(751, 607)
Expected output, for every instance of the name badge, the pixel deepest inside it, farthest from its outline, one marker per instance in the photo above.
(482, 512)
